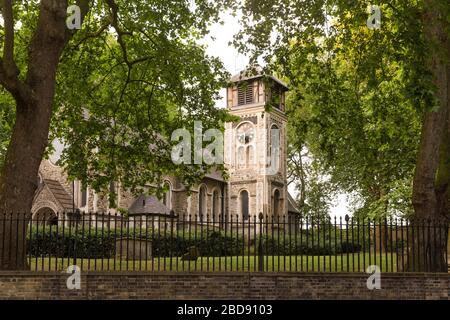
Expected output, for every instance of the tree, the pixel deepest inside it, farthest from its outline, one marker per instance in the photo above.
(132, 65)
(412, 45)
(431, 192)
(7, 114)
(315, 190)
(360, 127)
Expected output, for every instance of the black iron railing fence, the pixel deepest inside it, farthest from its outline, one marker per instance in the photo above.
(110, 242)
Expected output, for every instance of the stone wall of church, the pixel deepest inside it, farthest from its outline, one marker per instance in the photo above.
(102, 202)
(191, 206)
(91, 199)
(181, 202)
(235, 190)
(126, 199)
(49, 171)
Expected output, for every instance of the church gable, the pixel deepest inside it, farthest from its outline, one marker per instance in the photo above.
(52, 195)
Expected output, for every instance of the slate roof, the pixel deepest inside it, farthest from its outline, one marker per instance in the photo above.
(292, 205)
(60, 194)
(148, 205)
(215, 175)
(243, 76)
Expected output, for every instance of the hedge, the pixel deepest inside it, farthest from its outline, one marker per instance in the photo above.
(96, 244)
(91, 244)
(303, 245)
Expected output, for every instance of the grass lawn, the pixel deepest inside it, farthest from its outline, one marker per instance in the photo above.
(339, 263)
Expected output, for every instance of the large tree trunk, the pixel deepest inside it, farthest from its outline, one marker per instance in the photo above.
(18, 181)
(29, 139)
(431, 180)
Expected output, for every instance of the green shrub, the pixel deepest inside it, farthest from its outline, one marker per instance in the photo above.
(91, 243)
(349, 247)
(95, 244)
(306, 245)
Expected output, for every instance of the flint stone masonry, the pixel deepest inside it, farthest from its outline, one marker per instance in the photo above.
(141, 285)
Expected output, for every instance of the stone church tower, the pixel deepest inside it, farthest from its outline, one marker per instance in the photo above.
(255, 147)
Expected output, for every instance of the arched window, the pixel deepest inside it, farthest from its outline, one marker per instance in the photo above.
(276, 203)
(202, 202)
(83, 195)
(245, 135)
(274, 148)
(216, 205)
(167, 199)
(244, 205)
(249, 156)
(241, 157)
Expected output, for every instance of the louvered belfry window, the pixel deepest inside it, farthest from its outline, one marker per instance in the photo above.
(245, 94)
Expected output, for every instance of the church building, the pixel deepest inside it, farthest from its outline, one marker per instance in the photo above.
(255, 151)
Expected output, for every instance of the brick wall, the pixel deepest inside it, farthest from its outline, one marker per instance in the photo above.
(115, 285)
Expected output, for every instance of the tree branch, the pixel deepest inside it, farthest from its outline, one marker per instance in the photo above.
(92, 35)
(8, 50)
(9, 73)
(120, 33)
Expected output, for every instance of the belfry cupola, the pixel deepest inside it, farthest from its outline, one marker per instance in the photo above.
(246, 90)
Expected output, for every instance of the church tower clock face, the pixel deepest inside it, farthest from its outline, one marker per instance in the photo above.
(245, 133)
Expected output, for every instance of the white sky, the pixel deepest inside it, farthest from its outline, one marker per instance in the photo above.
(235, 62)
(218, 47)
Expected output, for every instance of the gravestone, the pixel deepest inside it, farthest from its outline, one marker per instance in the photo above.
(191, 255)
(133, 249)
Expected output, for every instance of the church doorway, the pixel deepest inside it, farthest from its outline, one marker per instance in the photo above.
(276, 203)
(45, 216)
(244, 205)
